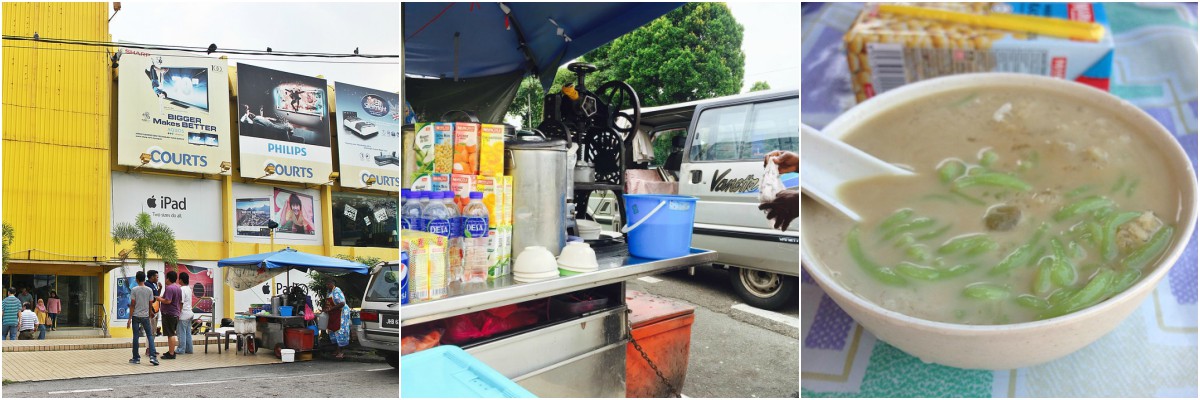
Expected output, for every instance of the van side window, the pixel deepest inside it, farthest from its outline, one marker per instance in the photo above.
(773, 126)
(720, 134)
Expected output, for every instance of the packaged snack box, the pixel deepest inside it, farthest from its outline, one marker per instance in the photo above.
(466, 148)
(885, 51)
(462, 186)
(491, 149)
(443, 147)
(427, 265)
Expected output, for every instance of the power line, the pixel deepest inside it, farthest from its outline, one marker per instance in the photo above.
(205, 57)
(132, 45)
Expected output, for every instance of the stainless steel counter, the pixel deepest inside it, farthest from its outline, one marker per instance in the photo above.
(616, 265)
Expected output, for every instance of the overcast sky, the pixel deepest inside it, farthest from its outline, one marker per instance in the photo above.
(771, 41)
(374, 28)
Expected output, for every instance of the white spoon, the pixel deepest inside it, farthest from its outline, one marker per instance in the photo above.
(826, 164)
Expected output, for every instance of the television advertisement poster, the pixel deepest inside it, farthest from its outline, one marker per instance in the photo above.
(283, 122)
(368, 136)
(174, 108)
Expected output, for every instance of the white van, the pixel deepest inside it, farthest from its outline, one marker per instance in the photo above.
(380, 313)
(721, 144)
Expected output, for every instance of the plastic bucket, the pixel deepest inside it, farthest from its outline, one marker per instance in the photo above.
(285, 311)
(660, 225)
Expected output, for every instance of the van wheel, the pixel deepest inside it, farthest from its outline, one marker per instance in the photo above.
(765, 290)
(393, 359)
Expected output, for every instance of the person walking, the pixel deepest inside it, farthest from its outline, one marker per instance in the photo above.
(43, 317)
(12, 314)
(28, 323)
(155, 289)
(53, 307)
(335, 304)
(171, 299)
(25, 297)
(139, 317)
(185, 315)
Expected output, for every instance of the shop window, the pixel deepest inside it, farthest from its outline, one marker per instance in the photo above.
(365, 221)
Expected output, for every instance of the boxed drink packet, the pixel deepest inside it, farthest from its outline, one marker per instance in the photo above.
(443, 147)
(499, 251)
(506, 213)
(433, 182)
(491, 149)
(419, 141)
(462, 186)
(493, 198)
(466, 148)
(427, 265)
(885, 51)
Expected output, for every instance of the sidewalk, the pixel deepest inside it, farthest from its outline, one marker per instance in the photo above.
(12, 346)
(70, 364)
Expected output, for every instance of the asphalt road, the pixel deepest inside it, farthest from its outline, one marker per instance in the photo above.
(731, 356)
(312, 379)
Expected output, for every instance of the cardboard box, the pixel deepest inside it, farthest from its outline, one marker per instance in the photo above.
(419, 154)
(427, 265)
(491, 150)
(443, 147)
(493, 197)
(466, 148)
(885, 51)
(462, 186)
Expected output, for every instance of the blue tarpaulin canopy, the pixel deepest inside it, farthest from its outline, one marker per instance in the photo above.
(470, 40)
(292, 259)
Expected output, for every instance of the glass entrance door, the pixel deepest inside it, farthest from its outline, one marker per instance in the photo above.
(79, 297)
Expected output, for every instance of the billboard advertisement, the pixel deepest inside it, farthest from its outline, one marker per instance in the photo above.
(294, 209)
(368, 122)
(173, 107)
(187, 206)
(201, 279)
(283, 122)
(365, 221)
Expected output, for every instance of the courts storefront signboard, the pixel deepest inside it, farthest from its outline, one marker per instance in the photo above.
(188, 206)
(174, 108)
(283, 121)
(368, 137)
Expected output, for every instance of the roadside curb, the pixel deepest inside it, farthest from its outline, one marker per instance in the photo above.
(769, 320)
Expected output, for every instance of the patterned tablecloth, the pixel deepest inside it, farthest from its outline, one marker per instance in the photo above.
(1152, 354)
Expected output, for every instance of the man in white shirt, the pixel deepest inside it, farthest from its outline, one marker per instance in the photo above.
(28, 323)
(185, 316)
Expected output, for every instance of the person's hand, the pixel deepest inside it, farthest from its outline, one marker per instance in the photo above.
(784, 209)
(128, 322)
(786, 160)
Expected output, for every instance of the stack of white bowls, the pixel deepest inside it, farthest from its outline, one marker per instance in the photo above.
(577, 258)
(534, 264)
(587, 229)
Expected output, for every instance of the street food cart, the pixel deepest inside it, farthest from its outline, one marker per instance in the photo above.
(274, 330)
(574, 345)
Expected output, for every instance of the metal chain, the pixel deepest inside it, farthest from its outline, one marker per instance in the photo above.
(673, 391)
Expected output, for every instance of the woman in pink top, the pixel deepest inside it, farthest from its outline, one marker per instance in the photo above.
(53, 306)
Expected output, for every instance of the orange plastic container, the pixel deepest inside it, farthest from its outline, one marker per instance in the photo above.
(664, 329)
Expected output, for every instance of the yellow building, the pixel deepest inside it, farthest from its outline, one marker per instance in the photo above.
(59, 157)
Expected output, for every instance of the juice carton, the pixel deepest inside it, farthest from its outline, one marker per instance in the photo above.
(506, 255)
(462, 186)
(506, 215)
(419, 154)
(495, 256)
(491, 150)
(491, 187)
(443, 147)
(466, 148)
(427, 265)
(885, 51)
(435, 182)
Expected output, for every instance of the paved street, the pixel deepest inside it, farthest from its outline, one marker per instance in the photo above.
(735, 352)
(313, 379)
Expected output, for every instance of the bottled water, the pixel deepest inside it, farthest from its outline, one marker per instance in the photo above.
(410, 213)
(436, 216)
(475, 241)
(405, 199)
(454, 244)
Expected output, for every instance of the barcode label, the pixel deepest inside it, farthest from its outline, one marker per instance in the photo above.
(1022, 61)
(887, 65)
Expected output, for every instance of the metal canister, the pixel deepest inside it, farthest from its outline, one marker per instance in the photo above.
(540, 174)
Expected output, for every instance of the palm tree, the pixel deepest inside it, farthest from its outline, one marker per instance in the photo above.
(147, 238)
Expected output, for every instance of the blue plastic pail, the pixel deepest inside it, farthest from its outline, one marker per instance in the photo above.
(660, 225)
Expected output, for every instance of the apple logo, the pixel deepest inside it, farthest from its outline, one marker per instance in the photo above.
(150, 202)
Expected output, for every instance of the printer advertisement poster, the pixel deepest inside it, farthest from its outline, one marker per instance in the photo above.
(368, 136)
(174, 109)
(283, 121)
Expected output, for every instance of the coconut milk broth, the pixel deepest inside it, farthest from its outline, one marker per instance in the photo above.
(1075, 145)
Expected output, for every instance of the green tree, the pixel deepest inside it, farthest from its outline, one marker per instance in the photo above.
(147, 237)
(693, 52)
(9, 234)
(760, 85)
(317, 287)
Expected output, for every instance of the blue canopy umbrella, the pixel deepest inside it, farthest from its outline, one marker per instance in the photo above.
(291, 259)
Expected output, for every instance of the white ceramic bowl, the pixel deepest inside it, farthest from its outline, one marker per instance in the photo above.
(1030, 343)
(578, 257)
(535, 261)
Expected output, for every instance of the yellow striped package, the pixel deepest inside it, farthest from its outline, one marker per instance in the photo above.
(493, 198)
(507, 196)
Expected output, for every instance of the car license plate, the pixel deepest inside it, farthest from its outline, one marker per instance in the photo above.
(390, 320)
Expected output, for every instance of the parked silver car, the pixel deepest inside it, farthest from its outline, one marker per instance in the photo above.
(380, 313)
